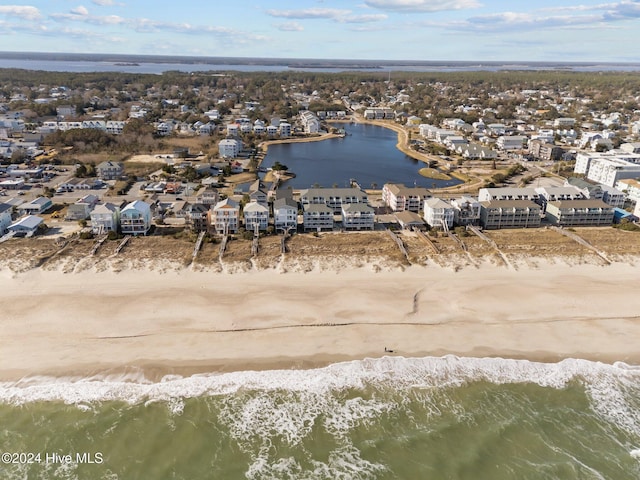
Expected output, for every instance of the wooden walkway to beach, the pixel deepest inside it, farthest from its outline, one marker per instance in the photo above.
(123, 243)
(400, 244)
(576, 238)
(422, 236)
(493, 244)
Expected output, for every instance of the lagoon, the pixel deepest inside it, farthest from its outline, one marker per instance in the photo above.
(367, 154)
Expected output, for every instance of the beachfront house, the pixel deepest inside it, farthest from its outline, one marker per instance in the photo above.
(26, 226)
(334, 198)
(400, 198)
(357, 216)
(508, 193)
(5, 217)
(285, 214)
(585, 212)
(317, 216)
(438, 213)
(409, 220)
(197, 217)
(255, 216)
(224, 217)
(135, 218)
(466, 211)
(510, 214)
(105, 217)
(110, 170)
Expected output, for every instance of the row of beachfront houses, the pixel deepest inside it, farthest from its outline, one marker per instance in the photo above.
(495, 208)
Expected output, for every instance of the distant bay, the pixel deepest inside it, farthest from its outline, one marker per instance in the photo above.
(157, 64)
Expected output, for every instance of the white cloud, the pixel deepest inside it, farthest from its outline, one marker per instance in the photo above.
(422, 5)
(290, 27)
(310, 13)
(80, 10)
(21, 11)
(341, 16)
(103, 3)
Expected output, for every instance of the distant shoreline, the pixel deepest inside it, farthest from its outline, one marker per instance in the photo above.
(319, 64)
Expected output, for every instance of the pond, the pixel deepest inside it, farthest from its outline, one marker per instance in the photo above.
(367, 154)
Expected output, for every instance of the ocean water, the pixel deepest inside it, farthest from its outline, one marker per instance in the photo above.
(388, 418)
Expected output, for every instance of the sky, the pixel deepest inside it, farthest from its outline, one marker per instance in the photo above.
(462, 30)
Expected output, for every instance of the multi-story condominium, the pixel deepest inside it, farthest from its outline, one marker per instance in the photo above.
(224, 217)
(400, 198)
(285, 129)
(272, 131)
(135, 218)
(105, 217)
(588, 189)
(466, 211)
(438, 213)
(255, 215)
(310, 122)
(631, 188)
(333, 198)
(545, 151)
(508, 193)
(378, 113)
(110, 170)
(5, 217)
(609, 171)
(229, 148)
(553, 194)
(285, 214)
(564, 122)
(197, 217)
(580, 213)
(358, 216)
(612, 196)
(317, 216)
(509, 214)
(608, 167)
(514, 142)
(115, 127)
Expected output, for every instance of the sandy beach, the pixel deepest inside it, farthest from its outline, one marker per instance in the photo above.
(184, 321)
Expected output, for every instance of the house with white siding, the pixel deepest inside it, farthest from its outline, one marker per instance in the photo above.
(510, 214)
(437, 211)
(5, 217)
(466, 210)
(105, 217)
(255, 214)
(135, 218)
(285, 214)
(573, 213)
(229, 147)
(225, 216)
(400, 198)
(358, 216)
(110, 170)
(317, 216)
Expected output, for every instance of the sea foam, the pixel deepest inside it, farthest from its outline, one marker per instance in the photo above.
(608, 385)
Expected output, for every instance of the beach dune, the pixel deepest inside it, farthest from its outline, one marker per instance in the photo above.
(186, 321)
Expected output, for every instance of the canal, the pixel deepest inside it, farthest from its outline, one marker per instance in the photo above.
(367, 154)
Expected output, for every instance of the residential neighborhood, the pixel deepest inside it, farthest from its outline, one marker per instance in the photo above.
(528, 158)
